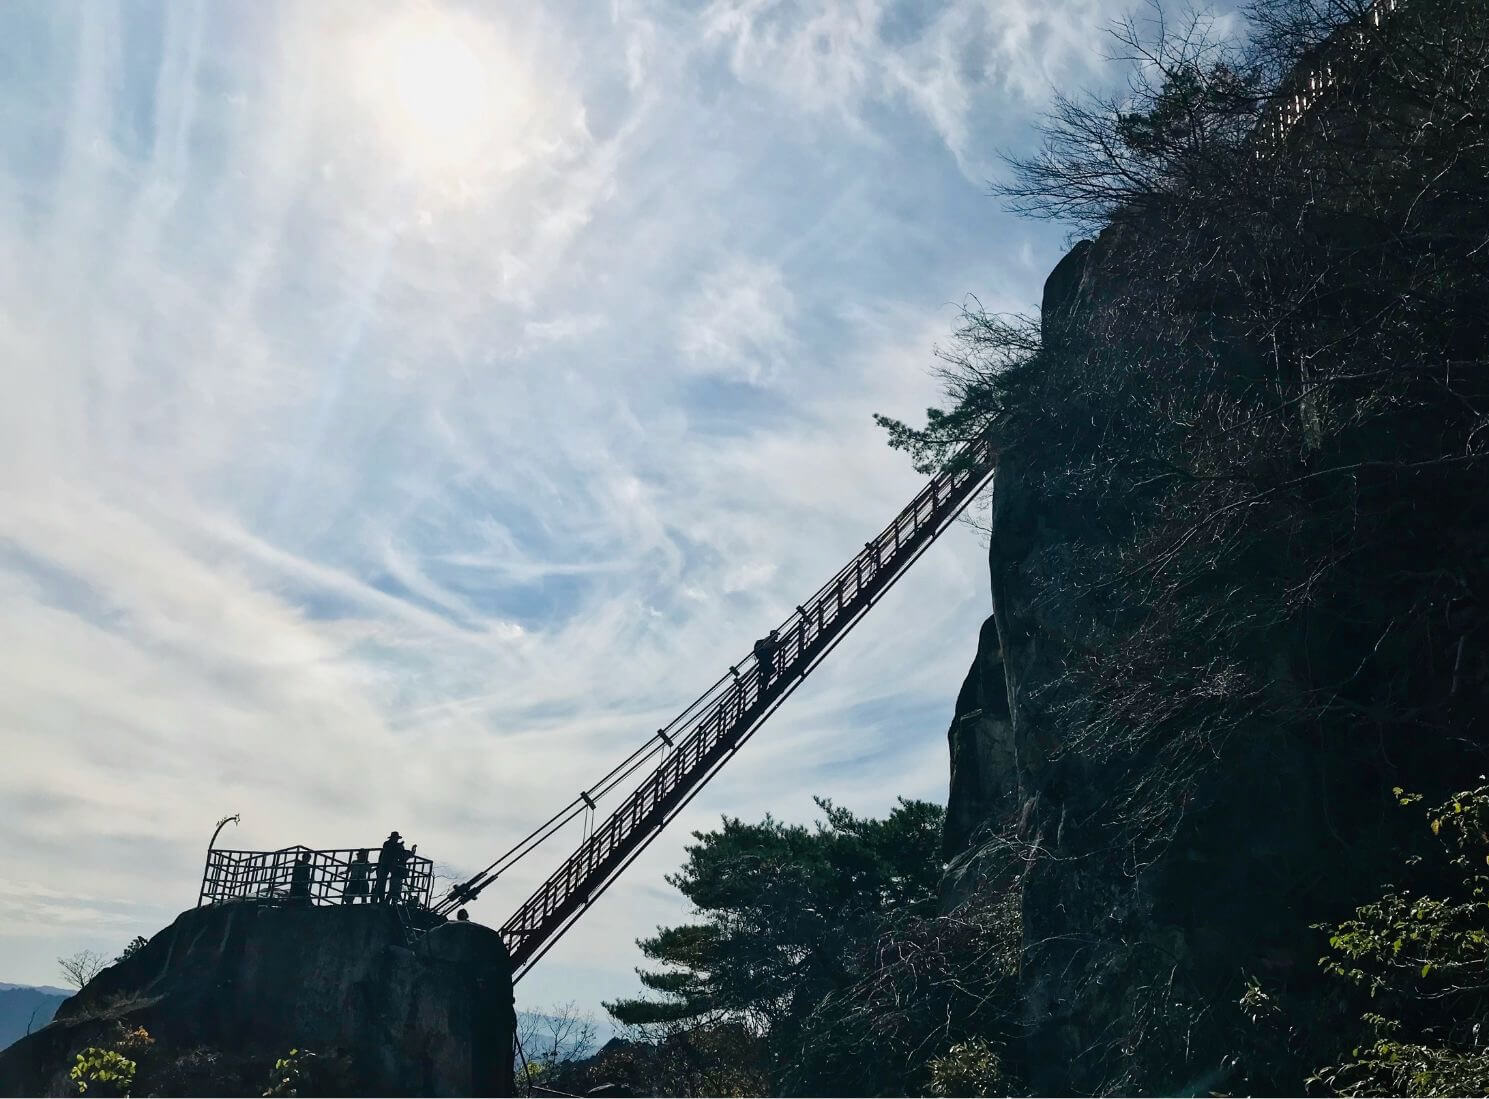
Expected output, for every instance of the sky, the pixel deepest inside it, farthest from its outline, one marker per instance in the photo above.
(409, 406)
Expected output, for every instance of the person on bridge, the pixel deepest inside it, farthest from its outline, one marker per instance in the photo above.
(356, 879)
(391, 855)
(765, 658)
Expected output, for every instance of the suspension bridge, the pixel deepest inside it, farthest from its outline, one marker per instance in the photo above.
(677, 761)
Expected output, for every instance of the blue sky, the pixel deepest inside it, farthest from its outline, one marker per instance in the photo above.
(411, 405)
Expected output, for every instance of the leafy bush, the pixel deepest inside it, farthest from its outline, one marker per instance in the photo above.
(113, 1071)
(968, 1068)
(103, 1072)
(925, 985)
(818, 964)
(1421, 958)
(292, 1074)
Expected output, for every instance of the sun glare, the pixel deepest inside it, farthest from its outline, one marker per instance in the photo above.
(441, 86)
(439, 90)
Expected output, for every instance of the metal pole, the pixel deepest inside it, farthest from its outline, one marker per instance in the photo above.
(202, 893)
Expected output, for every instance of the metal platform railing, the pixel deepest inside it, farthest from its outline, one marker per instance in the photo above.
(301, 876)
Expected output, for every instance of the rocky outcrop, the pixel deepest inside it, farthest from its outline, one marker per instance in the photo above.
(1277, 826)
(432, 1019)
(983, 766)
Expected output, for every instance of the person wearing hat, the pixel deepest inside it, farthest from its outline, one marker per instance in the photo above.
(388, 859)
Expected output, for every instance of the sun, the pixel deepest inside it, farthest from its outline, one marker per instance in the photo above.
(441, 88)
(437, 89)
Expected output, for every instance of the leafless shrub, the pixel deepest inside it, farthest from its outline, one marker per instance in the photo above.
(80, 968)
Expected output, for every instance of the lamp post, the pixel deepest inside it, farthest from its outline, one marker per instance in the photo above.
(202, 893)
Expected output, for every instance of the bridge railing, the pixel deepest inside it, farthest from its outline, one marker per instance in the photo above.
(337, 876)
(1306, 87)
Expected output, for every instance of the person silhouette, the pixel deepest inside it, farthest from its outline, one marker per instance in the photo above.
(399, 874)
(765, 659)
(390, 856)
(356, 879)
(300, 881)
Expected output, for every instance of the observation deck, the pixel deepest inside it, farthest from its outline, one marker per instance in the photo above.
(301, 876)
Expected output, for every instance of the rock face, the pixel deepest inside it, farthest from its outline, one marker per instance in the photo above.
(434, 1019)
(1283, 827)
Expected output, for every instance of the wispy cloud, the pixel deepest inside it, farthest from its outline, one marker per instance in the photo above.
(739, 323)
(958, 64)
(353, 494)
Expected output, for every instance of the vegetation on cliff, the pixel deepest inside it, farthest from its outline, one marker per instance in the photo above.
(1239, 528)
(781, 909)
(1418, 960)
(819, 964)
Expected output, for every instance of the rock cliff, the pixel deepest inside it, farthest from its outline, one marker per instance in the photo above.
(1157, 878)
(254, 982)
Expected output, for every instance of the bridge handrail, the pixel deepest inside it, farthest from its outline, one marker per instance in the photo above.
(1302, 91)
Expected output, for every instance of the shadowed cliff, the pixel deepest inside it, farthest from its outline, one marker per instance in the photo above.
(1236, 557)
(227, 989)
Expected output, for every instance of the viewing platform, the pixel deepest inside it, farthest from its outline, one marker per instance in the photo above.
(300, 876)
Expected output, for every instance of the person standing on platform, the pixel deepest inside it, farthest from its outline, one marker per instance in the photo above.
(356, 879)
(389, 857)
(400, 874)
(300, 881)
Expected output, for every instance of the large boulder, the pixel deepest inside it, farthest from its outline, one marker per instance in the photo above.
(254, 982)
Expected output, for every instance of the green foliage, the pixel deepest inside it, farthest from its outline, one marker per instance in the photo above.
(292, 1074)
(529, 1073)
(1192, 99)
(132, 1062)
(973, 1067)
(113, 1070)
(986, 350)
(781, 908)
(103, 1072)
(819, 962)
(1422, 961)
(133, 947)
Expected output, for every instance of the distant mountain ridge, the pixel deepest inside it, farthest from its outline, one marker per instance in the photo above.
(27, 1007)
(52, 990)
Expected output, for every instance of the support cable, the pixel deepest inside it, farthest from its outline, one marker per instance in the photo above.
(696, 743)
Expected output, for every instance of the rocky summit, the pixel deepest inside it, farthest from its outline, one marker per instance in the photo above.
(226, 991)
